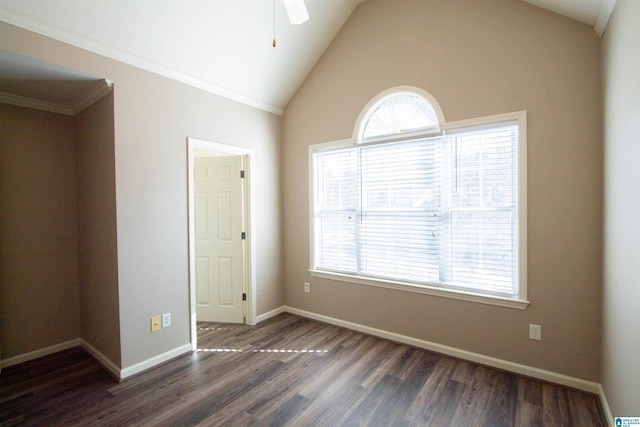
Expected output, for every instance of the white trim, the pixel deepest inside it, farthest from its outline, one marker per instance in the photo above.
(537, 373)
(102, 88)
(521, 118)
(250, 221)
(59, 33)
(542, 374)
(37, 104)
(606, 9)
(605, 406)
(312, 191)
(520, 115)
(324, 146)
(520, 300)
(523, 223)
(359, 127)
(269, 314)
(15, 360)
(250, 265)
(154, 361)
(101, 358)
(437, 291)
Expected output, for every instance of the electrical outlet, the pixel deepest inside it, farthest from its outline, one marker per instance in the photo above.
(155, 323)
(306, 287)
(166, 320)
(535, 332)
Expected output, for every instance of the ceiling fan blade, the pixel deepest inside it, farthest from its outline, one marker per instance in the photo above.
(296, 10)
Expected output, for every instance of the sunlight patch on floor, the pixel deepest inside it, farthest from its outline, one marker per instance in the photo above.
(237, 350)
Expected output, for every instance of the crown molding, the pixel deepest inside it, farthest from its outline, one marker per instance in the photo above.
(48, 29)
(606, 9)
(102, 88)
(38, 104)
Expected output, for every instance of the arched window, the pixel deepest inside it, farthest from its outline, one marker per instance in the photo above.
(417, 204)
(400, 114)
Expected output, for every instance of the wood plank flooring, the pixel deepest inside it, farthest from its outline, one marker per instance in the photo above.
(288, 371)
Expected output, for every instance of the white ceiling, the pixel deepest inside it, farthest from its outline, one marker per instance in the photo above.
(36, 84)
(592, 12)
(223, 46)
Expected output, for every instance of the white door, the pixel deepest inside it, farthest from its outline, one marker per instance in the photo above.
(218, 200)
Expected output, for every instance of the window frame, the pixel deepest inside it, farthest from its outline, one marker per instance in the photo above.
(518, 301)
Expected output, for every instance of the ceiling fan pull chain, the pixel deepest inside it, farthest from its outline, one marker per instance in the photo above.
(274, 23)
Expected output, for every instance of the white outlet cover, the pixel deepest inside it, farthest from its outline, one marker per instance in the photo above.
(166, 320)
(535, 332)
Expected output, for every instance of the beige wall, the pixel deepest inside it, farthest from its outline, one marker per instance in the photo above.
(97, 245)
(39, 305)
(621, 323)
(59, 270)
(153, 116)
(476, 58)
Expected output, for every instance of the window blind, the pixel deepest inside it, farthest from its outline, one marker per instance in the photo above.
(433, 211)
(480, 244)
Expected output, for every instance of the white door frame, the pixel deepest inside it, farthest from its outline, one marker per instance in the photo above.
(249, 269)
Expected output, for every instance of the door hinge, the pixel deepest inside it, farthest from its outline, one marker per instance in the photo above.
(241, 174)
(244, 297)
(244, 235)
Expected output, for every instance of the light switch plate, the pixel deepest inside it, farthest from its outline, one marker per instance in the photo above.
(155, 323)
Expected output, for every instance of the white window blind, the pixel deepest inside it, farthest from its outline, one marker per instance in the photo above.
(438, 211)
(481, 241)
(400, 113)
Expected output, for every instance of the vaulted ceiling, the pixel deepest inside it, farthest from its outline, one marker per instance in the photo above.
(592, 12)
(223, 46)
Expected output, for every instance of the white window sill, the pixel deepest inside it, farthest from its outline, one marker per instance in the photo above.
(424, 289)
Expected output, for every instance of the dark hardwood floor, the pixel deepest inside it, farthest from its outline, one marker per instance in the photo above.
(288, 371)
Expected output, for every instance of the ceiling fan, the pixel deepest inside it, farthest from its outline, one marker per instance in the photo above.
(296, 11)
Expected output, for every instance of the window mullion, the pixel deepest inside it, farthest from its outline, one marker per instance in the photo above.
(359, 212)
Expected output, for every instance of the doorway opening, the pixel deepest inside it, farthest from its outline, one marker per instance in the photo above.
(222, 283)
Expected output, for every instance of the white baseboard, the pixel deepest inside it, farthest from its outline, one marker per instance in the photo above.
(39, 353)
(154, 361)
(529, 371)
(270, 314)
(506, 365)
(101, 358)
(104, 360)
(605, 406)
